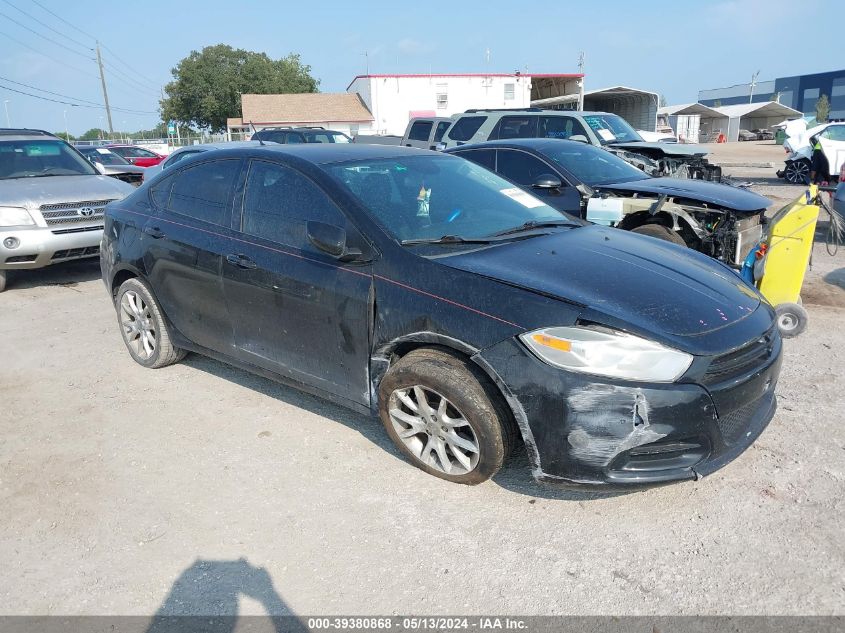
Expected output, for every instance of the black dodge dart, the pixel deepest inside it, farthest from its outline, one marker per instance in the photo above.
(471, 317)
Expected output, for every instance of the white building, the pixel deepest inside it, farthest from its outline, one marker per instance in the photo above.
(394, 99)
(335, 111)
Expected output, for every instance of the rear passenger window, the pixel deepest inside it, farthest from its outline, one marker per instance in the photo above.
(517, 127)
(202, 191)
(420, 131)
(279, 201)
(465, 127)
(484, 157)
(560, 127)
(295, 137)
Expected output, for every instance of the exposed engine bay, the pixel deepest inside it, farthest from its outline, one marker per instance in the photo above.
(719, 232)
(656, 162)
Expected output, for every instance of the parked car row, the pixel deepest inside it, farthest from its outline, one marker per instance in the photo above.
(469, 315)
(464, 297)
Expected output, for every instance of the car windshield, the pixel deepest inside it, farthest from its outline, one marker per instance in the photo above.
(610, 128)
(429, 197)
(105, 157)
(591, 165)
(34, 158)
(327, 137)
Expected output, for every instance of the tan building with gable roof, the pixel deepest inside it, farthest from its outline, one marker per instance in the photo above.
(343, 112)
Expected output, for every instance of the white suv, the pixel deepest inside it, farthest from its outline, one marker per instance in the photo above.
(51, 202)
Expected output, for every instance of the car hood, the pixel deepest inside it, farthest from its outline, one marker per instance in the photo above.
(710, 192)
(31, 193)
(653, 285)
(668, 149)
(123, 169)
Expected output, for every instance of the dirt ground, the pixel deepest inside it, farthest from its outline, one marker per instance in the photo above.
(202, 489)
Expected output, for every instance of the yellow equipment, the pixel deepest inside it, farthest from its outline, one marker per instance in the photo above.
(782, 258)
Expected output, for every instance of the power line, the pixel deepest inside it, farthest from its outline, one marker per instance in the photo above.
(83, 103)
(128, 79)
(68, 48)
(131, 69)
(47, 26)
(43, 54)
(61, 19)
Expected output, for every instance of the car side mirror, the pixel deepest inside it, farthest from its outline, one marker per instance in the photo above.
(99, 167)
(332, 240)
(578, 137)
(547, 181)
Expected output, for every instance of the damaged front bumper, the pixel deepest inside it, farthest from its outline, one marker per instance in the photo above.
(585, 430)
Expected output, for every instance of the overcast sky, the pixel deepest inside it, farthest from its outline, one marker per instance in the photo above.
(673, 48)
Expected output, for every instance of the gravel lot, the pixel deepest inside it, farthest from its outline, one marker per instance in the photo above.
(203, 489)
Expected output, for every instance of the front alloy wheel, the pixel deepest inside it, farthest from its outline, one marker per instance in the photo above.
(434, 430)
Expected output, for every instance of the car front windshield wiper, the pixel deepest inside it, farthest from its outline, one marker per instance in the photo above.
(447, 239)
(536, 224)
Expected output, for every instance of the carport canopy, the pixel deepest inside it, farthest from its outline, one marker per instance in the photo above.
(753, 116)
(638, 107)
(693, 122)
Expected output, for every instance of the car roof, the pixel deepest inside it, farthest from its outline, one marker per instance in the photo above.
(537, 144)
(323, 153)
(535, 112)
(23, 134)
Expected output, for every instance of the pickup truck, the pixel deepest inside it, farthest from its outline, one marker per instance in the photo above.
(422, 132)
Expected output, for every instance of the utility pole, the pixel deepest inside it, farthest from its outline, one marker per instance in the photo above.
(105, 92)
(753, 83)
(581, 81)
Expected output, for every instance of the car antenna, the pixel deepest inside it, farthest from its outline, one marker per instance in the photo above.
(254, 132)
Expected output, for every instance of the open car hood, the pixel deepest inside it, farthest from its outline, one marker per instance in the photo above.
(653, 285)
(711, 193)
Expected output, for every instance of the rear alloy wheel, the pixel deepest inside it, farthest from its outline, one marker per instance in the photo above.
(661, 232)
(445, 416)
(791, 318)
(797, 172)
(143, 326)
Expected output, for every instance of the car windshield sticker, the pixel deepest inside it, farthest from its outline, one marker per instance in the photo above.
(607, 135)
(423, 202)
(102, 150)
(523, 198)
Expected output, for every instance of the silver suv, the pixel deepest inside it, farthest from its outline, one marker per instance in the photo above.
(51, 202)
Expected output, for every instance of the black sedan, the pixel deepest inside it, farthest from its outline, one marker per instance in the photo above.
(719, 220)
(466, 313)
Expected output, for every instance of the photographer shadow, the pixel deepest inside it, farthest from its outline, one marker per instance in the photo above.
(206, 596)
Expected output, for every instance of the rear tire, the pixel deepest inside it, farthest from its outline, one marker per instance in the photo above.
(661, 232)
(791, 318)
(445, 416)
(3, 277)
(797, 172)
(143, 326)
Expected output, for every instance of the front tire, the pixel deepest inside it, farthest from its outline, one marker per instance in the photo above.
(791, 318)
(143, 326)
(445, 416)
(661, 232)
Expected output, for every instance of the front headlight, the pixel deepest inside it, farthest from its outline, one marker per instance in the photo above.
(607, 353)
(15, 216)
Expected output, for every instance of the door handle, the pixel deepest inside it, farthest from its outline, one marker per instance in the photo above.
(154, 232)
(241, 261)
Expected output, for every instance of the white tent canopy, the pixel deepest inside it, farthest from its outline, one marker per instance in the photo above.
(693, 122)
(752, 116)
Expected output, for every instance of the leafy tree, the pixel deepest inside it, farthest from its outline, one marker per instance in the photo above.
(65, 136)
(717, 103)
(663, 103)
(207, 85)
(93, 134)
(822, 109)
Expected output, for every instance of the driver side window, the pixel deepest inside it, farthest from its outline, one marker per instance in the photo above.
(521, 167)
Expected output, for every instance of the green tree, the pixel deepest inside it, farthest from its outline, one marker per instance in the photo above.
(93, 134)
(822, 109)
(207, 85)
(717, 103)
(66, 137)
(663, 103)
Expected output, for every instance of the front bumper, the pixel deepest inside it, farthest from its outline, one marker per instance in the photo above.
(585, 430)
(41, 247)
